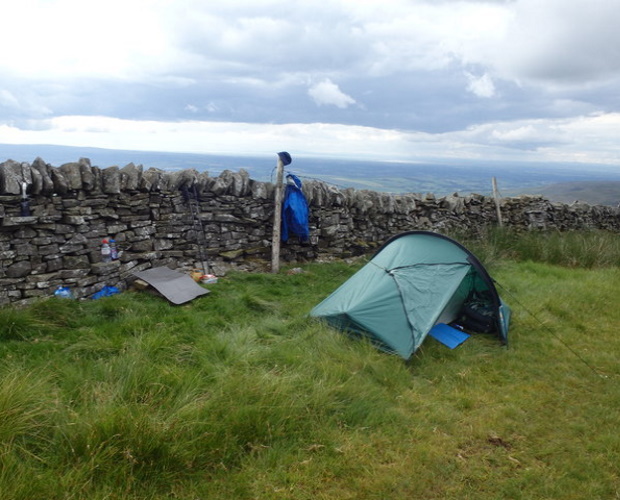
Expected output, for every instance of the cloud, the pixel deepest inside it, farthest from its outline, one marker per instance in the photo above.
(445, 77)
(8, 100)
(553, 42)
(327, 93)
(590, 138)
(115, 39)
(482, 86)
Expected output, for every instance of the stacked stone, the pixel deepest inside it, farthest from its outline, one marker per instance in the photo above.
(188, 219)
(74, 207)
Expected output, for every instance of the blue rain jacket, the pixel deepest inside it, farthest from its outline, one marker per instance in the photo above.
(294, 210)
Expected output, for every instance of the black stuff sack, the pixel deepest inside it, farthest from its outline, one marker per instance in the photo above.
(477, 316)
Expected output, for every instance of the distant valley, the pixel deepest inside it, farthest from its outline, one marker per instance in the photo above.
(594, 184)
(592, 192)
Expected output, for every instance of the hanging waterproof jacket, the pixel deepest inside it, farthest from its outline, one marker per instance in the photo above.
(294, 210)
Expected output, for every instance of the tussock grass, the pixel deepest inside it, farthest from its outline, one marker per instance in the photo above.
(574, 249)
(239, 394)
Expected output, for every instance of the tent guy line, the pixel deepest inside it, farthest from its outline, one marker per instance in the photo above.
(549, 330)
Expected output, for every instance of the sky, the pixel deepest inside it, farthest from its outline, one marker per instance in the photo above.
(394, 80)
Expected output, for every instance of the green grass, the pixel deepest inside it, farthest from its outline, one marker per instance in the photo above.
(238, 394)
(573, 249)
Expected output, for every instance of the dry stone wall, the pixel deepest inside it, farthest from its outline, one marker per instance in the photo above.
(226, 222)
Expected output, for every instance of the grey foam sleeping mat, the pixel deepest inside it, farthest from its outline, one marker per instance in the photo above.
(177, 287)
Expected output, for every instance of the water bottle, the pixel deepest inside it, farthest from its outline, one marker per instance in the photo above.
(105, 251)
(113, 250)
(24, 206)
(63, 292)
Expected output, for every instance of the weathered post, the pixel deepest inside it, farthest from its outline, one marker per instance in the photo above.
(497, 203)
(283, 159)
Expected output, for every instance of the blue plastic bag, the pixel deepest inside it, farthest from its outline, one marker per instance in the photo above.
(106, 291)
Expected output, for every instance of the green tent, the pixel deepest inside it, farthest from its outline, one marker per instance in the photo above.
(414, 281)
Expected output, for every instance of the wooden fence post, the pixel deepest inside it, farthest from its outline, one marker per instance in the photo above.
(283, 159)
(497, 203)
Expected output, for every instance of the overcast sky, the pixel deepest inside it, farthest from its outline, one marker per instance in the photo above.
(383, 79)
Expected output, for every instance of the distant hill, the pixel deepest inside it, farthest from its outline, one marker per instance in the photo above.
(591, 192)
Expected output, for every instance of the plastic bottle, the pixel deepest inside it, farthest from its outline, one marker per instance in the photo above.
(63, 292)
(113, 250)
(105, 251)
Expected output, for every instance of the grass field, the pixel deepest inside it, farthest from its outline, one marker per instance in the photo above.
(239, 395)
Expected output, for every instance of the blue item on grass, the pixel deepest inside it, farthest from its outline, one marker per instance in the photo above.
(106, 291)
(448, 335)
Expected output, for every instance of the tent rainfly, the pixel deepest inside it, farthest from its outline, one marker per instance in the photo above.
(415, 281)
